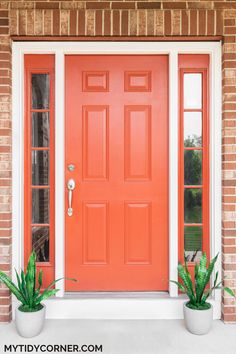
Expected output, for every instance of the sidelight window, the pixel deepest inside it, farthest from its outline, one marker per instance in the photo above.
(39, 160)
(194, 203)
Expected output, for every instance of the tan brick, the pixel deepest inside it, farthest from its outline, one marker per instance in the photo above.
(38, 26)
(200, 4)
(22, 5)
(30, 22)
(4, 5)
(230, 14)
(176, 22)
(22, 22)
(133, 22)
(142, 23)
(159, 23)
(90, 23)
(64, 16)
(70, 5)
(230, 48)
(150, 22)
(47, 22)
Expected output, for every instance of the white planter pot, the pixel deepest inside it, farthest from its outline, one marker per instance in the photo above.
(198, 321)
(30, 324)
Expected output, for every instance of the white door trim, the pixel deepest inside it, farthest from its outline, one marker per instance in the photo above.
(170, 48)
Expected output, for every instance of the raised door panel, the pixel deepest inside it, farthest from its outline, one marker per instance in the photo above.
(95, 81)
(95, 233)
(137, 81)
(137, 142)
(137, 233)
(95, 142)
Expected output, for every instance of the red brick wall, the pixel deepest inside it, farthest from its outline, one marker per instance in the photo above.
(122, 18)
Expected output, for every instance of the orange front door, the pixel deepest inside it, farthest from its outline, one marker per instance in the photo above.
(117, 141)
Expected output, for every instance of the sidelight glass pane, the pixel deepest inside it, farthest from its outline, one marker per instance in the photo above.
(192, 91)
(40, 129)
(193, 205)
(192, 167)
(40, 168)
(40, 206)
(192, 129)
(40, 91)
(40, 243)
(193, 243)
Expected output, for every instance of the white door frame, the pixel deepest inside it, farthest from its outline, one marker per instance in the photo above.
(167, 306)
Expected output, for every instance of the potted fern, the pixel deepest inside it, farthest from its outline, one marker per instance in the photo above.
(30, 315)
(198, 312)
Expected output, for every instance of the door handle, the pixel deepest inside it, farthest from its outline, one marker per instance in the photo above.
(70, 187)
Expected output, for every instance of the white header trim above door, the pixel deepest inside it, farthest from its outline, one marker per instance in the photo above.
(170, 48)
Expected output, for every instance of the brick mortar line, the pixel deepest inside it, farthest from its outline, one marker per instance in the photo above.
(103, 17)
(120, 18)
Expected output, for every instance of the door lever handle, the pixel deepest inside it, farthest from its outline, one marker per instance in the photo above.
(70, 187)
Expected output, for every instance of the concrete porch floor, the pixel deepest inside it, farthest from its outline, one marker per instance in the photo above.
(129, 336)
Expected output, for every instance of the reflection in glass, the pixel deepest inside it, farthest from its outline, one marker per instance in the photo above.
(40, 206)
(193, 243)
(40, 243)
(192, 167)
(193, 205)
(40, 91)
(40, 129)
(192, 91)
(40, 168)
(192, 129)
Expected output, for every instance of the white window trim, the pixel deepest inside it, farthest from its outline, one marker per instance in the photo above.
(165, 306)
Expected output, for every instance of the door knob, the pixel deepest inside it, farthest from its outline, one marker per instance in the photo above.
(70, 187)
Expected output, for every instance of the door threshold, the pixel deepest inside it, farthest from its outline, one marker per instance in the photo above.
(117, 295)
(88, 305)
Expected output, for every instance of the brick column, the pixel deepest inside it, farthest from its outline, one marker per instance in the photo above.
(229, 162)
(5, 159)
